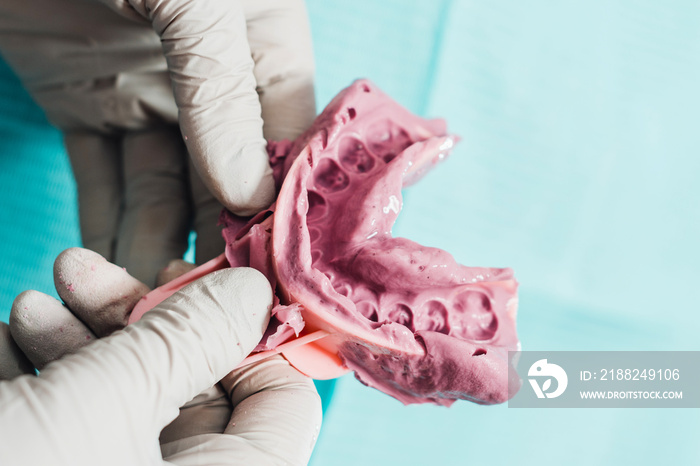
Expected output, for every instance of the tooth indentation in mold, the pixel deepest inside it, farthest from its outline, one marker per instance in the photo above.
(401, 314)
(387, 140)
(330, 177)
(343, 288)
(481, 322)
(317, 206)
(354, 156)
(368, 310)
(314, 234)
(434, 318)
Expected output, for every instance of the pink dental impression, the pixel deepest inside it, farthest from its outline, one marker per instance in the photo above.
(407, 319)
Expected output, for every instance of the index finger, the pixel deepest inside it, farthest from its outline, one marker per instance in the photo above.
(211, 70)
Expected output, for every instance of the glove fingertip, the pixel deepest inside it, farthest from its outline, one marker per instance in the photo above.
(242, 181)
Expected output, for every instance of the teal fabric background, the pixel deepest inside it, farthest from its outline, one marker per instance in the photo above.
(578, 168)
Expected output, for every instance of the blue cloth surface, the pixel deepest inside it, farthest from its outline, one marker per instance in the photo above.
(577, 168)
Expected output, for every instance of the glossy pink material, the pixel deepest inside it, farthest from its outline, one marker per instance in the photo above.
(406, 318)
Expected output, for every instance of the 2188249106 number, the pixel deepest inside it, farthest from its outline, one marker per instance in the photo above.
(640, 374)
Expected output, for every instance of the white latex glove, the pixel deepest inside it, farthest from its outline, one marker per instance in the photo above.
(105, 72)
(105, 401)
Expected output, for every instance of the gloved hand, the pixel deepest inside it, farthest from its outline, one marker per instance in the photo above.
(105, 72)
(104, 401)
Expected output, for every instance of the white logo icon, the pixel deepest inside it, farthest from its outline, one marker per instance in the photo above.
(542, 368)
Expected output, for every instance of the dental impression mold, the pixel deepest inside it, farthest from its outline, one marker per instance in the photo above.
(407, 319)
